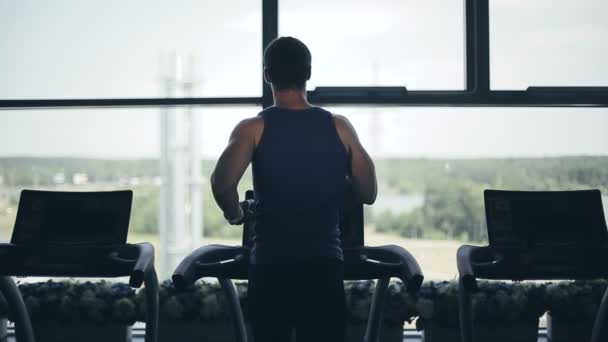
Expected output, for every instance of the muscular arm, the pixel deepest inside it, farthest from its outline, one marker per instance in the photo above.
(362, 166)
(232, 164)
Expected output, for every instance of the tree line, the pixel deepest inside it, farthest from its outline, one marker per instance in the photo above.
(452, 189)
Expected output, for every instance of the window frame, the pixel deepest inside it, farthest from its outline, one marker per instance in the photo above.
(477, 90)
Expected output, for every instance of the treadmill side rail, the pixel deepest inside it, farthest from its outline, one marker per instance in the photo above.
(133, 260)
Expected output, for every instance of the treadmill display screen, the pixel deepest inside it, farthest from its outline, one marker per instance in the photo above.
(72, 218)
(560, 218)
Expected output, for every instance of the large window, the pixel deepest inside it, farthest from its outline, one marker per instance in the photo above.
(432, 165)
(548, 43)
(129, 49)
(417, 44)
(433, 162)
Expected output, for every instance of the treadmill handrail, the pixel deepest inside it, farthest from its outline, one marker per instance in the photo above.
(465, 266)
(237, 258)
(469, 270)
(206, 261)
(391, 261)
(225, 262)
(143, 264)
(133, 260)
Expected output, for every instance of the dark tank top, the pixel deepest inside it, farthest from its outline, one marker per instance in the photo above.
(299, 178)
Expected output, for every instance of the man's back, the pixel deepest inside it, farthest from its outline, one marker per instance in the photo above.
(299, 170)
(300, 156)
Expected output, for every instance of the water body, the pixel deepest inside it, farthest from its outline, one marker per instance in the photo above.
(398, 203)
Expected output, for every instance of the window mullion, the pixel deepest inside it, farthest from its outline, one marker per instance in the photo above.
(270, 31)
(477, 49)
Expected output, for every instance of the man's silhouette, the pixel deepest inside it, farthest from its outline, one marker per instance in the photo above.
(301, 155)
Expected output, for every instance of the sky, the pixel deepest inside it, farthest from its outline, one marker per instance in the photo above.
(114, 49)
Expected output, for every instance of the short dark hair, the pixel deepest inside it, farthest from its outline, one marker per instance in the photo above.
(287, 63)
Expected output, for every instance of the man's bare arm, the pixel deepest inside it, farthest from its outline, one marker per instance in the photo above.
(362, 166)
(232, 164)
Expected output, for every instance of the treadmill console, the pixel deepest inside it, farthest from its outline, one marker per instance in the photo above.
(529, 219)
(72, 218)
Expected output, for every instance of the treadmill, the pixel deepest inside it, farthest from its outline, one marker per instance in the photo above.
(75, 234)
(360, 263)
(544, 235)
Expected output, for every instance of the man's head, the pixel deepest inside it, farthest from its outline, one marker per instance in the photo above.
(287, 63)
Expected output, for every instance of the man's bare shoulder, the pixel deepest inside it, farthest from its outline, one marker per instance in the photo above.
(250, 128)
(252, 123)
(345, 130)
(343, 126)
